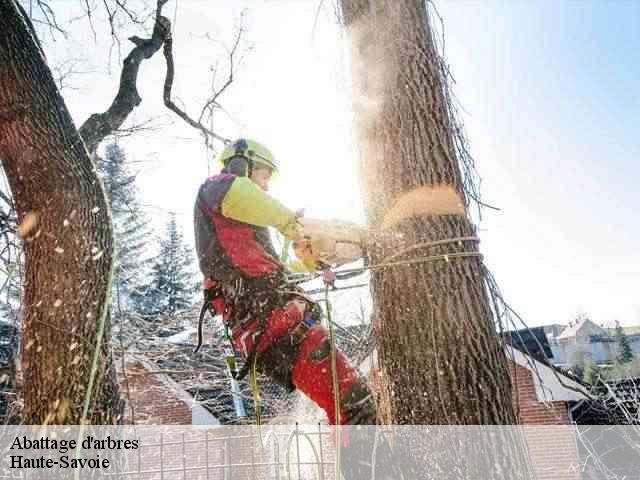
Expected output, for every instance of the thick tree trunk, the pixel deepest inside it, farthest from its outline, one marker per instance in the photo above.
(438, 346)
(68, 238)
(441, 359)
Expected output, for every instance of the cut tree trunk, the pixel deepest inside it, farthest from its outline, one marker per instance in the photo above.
(441, 360)
(438, 346)
(68, 241)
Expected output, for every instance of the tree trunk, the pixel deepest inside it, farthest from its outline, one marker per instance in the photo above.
(437, 339)
(68, 243)
(442, 361)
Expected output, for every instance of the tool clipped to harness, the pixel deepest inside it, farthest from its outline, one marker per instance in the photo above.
(230, 360)
(203, 312)
(213, 300)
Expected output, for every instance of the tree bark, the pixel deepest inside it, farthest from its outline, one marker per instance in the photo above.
(441, 360)
(437, 339)
(68, 241)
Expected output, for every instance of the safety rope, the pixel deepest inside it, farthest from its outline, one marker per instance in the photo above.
(386, 263)
(284, 256)
(334, 377)
(253, 382)
(93, 373)
(421, 245)
(392, 262)
(95, 360)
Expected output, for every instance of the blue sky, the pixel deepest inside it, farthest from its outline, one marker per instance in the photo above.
(550, 98)
(550, 89)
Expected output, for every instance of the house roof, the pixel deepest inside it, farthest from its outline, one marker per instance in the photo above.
(551, 383)
(574, 328)
(532, 341)
(206, 377)
(530, 349)
(207, 380)
(614, 403)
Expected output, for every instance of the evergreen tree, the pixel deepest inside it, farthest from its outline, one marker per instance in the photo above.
(130, 226)
(625, 354)
(592, 372)
(11, 291)
(171, 287)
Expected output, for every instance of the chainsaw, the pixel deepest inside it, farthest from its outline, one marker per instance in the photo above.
(337, 242)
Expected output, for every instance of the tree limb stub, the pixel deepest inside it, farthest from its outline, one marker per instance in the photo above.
(99, 125)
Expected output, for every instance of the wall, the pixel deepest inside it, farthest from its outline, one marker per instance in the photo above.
(154, 400)
(548, 431)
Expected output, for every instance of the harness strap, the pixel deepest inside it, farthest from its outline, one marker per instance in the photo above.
(209, 295)
(294, 336)
(203, 312)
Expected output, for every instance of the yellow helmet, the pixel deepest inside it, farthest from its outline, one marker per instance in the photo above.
(253, 151)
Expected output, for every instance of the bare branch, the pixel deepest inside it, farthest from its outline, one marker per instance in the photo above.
(49, 16)
(122, 6)
(149, 125)
(65, 70)
(90, 18)
(211, 103)
(99, 125)
(168, 85)
(111, 16)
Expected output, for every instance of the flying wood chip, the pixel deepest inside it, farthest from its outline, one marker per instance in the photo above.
(29, 223)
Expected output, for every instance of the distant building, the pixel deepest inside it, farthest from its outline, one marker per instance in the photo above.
(583, 340)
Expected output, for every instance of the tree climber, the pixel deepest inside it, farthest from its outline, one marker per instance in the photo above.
(272, 324)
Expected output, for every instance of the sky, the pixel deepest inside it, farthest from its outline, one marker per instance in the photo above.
(549, 96)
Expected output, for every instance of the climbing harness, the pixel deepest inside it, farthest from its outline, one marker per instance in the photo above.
(258, 310)
(295, 279)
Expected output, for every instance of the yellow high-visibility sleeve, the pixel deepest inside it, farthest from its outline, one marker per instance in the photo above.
(299, 266)
(247, 202)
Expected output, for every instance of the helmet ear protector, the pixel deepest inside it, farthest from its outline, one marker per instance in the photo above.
(241, 156)
(239, 164)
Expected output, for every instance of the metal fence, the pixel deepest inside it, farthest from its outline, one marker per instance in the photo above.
(248, 452)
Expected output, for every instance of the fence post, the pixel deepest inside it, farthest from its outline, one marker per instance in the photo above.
(206, 452)
(321, 455)
(184, 459)
(298, 451)
(161, 456)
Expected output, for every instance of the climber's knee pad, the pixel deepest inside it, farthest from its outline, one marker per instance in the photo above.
(321, 352)
(358, 405)
(278, 359)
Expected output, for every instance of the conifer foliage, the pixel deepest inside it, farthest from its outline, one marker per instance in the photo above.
(171, 286)
(592, 372)
(131, 230)
(625, 353)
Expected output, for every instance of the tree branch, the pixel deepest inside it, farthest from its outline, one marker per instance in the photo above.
(100, 125)
(212, 102)
(168, 85)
